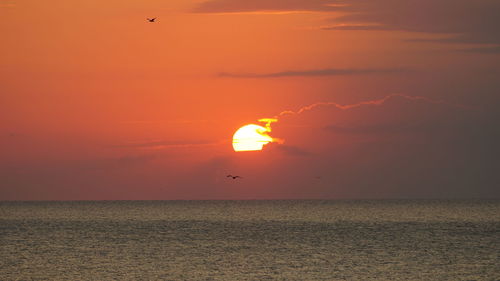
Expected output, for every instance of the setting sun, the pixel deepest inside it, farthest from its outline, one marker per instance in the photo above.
(250, 138)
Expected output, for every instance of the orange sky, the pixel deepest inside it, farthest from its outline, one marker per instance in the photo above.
(98, 103)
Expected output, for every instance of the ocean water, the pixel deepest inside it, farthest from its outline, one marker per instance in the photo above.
(250, 240)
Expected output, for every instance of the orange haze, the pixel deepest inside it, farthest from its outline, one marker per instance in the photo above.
(98, 103)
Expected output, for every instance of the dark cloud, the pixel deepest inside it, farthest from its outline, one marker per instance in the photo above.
(400, 114)
(482, 50)
(464, 21)
(387, 128)
(313, 72)
(401, 147)
(288, 150)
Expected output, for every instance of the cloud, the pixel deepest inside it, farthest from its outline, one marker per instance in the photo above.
(411, 146)
(293, 150)
(162, 144)
(375, 102)
(289, 150)
(465, 20)
(482, 50)
(7, 4)
(397, 114)
(355, 27)
(264, 6)
(312, 73)
(179, 121)
(399, 99)
(13, 135)
(112, 162)
(394, 128)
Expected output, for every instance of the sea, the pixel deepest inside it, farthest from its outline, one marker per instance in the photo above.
(251, 240)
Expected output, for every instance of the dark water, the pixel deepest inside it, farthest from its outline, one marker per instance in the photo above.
(250, 240)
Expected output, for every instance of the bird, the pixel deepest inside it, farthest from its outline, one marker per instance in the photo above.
(151, 20)
(234, 177)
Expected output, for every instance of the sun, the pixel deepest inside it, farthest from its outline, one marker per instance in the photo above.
(251, 138)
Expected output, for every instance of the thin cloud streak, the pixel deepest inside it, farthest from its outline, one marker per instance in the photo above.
(313, 73)
(182, 122)
(162, 144)
(482, 50)
(359, 27)
(264, 6)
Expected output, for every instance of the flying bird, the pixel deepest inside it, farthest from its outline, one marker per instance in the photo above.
(234, 177)
(151, 20)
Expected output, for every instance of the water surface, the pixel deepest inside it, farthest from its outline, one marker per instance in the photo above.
(250, 240)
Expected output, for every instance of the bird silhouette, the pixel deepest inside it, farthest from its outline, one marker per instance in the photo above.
(234, 177)
(151, 20)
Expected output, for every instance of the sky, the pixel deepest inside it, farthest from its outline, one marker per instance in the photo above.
(373, 99)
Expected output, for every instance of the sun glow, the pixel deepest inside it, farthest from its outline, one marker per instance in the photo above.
(253, 137)
(250, 138)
